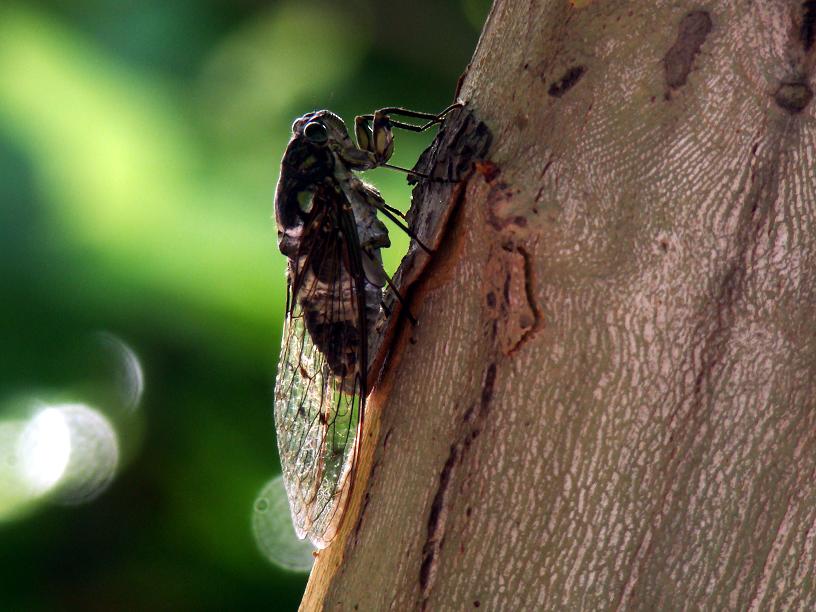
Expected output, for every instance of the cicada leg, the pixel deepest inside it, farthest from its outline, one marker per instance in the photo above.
(379, 139)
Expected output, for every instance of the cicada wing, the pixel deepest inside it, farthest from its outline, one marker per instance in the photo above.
(317, 411)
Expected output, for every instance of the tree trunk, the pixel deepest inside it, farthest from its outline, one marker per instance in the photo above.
(609, 401)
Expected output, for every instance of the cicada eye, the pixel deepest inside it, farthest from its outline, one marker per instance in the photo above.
(316, 132)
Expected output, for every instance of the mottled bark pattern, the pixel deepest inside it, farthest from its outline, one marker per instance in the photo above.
(649, 441)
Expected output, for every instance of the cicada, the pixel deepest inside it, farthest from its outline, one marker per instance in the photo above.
(329, 230)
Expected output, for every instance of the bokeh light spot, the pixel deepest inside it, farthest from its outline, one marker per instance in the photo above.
(68, 450)
(126, 367)
(44, 450)
(274, 533)
(94, 455)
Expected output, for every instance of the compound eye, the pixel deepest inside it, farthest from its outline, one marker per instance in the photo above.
(316, 132)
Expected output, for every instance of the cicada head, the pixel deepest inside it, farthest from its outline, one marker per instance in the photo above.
(326, 130)
(323, 129)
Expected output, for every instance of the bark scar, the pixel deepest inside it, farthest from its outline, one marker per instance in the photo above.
(436, 526)
(507, 278)
(509, 306)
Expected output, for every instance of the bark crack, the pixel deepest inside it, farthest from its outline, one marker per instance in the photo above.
(440, 507)
(436, 526)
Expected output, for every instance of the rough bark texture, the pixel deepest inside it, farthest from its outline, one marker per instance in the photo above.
(610, 399)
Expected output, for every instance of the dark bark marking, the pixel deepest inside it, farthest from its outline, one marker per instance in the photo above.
(468, 416)
(793, 97)
(692, 32)
(435, 527)
(807, 32)
(435, 538)
(487, 385)
(520, 121)
(566, 82)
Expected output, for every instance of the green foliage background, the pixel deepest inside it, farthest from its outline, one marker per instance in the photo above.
(139, 151)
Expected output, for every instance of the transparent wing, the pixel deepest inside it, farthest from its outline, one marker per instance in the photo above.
(318, 411)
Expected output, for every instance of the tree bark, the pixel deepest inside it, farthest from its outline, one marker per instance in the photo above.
(609, 401)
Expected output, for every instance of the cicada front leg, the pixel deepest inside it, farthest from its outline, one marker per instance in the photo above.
(378, 138)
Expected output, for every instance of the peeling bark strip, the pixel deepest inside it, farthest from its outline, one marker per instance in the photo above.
(693, 30)
(566, 82)
(462, 141)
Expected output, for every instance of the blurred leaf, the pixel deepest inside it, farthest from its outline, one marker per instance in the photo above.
(265, 69)
(119, 167)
